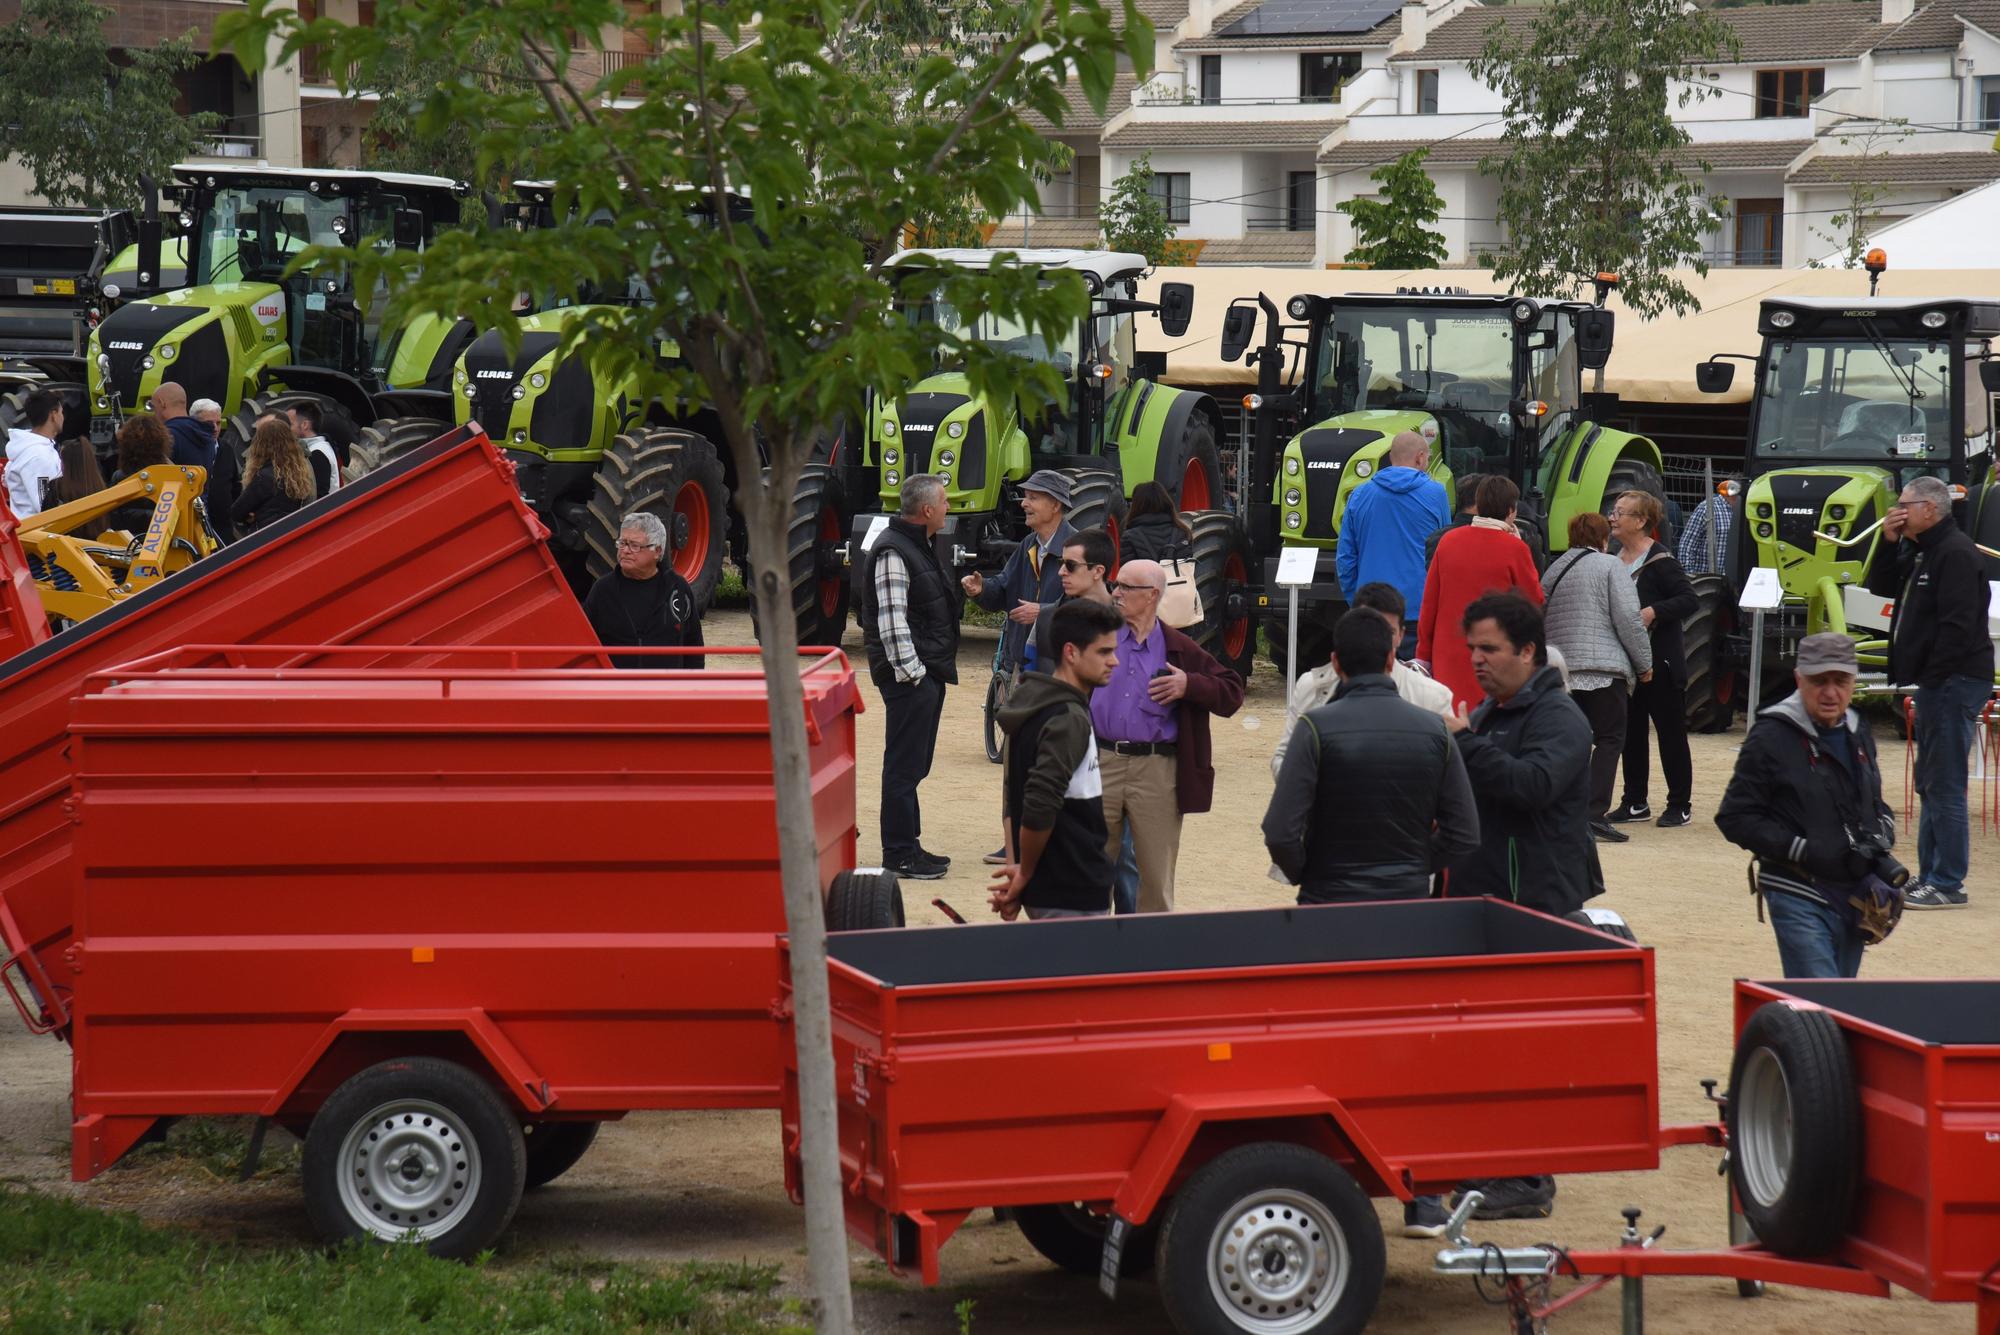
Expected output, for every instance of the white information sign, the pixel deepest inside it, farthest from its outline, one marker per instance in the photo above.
(1762, 592)
(1296, 566)
(875, 528)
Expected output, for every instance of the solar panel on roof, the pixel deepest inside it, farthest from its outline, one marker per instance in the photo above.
(1281, 18)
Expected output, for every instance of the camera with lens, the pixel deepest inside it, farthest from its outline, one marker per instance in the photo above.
(1869, 855)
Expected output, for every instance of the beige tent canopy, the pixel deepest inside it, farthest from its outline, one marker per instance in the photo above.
(1653, 361)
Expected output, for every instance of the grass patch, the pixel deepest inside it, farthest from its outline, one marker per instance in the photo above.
(66, 1267)
(217, 1147)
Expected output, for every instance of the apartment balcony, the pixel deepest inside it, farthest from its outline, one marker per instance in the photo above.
(230, 148)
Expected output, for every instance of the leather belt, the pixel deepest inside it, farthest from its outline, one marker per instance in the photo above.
(1139, 748)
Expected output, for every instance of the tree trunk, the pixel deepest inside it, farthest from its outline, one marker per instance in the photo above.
(765, 512)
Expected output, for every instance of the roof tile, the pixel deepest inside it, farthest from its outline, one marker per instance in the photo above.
(1937, 26)
(1080, 118)
(1221, 134)
(1963, 169)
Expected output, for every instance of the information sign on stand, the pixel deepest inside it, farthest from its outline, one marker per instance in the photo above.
(1296, 567)
(1761, 593)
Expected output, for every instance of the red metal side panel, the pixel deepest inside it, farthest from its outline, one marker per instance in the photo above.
(587, 859)
(436, 549)
(966, 1095)
(23, 624)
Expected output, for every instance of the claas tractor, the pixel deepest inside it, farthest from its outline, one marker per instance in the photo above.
(256, 338)
(1854, 397)
(1116, 428)
(1494, 383)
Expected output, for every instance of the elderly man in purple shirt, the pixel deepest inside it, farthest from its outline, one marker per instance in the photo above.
(1151, 721)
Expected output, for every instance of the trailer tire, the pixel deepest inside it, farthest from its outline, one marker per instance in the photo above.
(864, 901)
(418, 1149)
(390, 438)
(1794, 1121)
(1710, 682)
(553, 1148)
(1263, 1203)
(1072, 1237)
(676, 475)
(1222, 578)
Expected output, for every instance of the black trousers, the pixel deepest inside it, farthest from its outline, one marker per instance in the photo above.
(1606, 708)
(913, 711)
(1662, 703)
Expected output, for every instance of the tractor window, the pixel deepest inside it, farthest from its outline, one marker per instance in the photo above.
(1864, 400)
(249, 233)
(1371, 357)
(1555, 375)
(1117, 345)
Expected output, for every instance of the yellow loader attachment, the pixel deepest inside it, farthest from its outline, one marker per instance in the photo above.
(78, 577)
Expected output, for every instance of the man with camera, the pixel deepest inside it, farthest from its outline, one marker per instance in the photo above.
(1806, 799)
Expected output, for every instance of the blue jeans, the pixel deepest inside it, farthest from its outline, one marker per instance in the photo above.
(1945, 719)
(1125, 891)
(1406, 648)
(1815, 940)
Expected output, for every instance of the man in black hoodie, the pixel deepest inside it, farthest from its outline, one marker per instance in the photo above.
(1938, 643)
(1054, 793)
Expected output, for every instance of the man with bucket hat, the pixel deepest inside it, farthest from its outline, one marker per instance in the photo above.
(1806, 800)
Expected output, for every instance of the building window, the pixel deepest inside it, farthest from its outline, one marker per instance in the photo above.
(1788, 92)
(1211, 80)
(1322, 72)
(1989, 102)
(1427, 92)
(1171, 189)
(1300, 204)
(1760, 231)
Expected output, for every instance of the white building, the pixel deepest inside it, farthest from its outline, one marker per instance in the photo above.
(1265, 115)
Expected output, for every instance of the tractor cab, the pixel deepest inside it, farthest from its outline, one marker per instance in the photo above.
(244, 323)
(1853, 398)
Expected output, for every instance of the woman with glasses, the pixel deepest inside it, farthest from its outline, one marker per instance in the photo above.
(1666, 597)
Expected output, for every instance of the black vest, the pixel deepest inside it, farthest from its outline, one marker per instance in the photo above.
(933, 611)
(1381, 763)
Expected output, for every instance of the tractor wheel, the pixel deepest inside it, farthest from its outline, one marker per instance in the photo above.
(1985, 525)
(1794, 1120)
(864, 901)
(1097, 501)
(76, 406)
(1315, 643)
(820, 591)
(334, 423)
(1200, 486)
(1634, 475)
(553, 1148)
(677, 476)
(1222, 576)
(415, 1149)
(389, 439)
(1711, 684)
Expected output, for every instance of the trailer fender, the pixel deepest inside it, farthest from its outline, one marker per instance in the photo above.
(1161, 1157)
(516, 1077)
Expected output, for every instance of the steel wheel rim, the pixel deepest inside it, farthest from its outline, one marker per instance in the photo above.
(409, 1168)
(830, 578)
(1764, 1127)
(691, 504)
(1194, 487)
(1277, 1262)
(1236, 633)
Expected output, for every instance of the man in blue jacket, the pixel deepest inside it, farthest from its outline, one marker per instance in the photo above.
(1388, 520)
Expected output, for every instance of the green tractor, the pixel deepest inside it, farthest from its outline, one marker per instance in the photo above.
(1117, 428)
(1854, 397)
(1493, 382)
(255, 340)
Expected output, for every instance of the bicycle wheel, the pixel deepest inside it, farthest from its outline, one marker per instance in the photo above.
(997, 691)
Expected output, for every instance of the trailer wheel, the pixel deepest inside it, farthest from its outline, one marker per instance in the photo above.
(1794, 1129)
(388, 440)
(553, 1148)
(864, 901)
(1073, 1238)
(676, 475)
(1273, 1239)
(1222, 577)
(416, 1149)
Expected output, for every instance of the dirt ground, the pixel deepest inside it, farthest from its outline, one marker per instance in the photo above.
(709, 1185)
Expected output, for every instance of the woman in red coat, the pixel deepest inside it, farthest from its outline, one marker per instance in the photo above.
(1483, 557)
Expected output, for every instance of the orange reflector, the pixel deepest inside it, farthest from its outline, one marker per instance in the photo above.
(1253, 401)
(1101, 371)
(1538, 409)
(1218, 1052)
(1728, 487)
(1957, 492)
(423, 954)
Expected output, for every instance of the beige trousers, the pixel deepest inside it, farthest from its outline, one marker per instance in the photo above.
(1140, 790)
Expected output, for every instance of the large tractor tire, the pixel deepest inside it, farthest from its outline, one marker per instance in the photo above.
(1315, 642)
(677, 476)
(1985, 524)
(76, 406)
(389, 439)
(1711, 678)
(1794, 1119)
(1222, 578)
(1097, 501)
(820, 588)
(1200, 485)
(334, 422)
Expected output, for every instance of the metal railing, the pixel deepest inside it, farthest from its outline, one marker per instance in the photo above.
(233, 146)
(1280, 223)
(619, 60)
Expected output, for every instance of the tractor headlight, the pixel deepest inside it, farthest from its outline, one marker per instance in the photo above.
(458, 375)
(946, 458)
(1763, 530)
(956, 430)
(1291, 519)
(519, 393)
(166, 352)
(104, 364)
(1291, 495)
(890, 456)
(1299, 307)
(471, 390)
(892, 477)
(1783, 319)
(1836, 512)
(1761, 509)
(1292, 466)
(538, 380)
(520, 436)
(1525, 312)
(888, 426)
(1364, 467)
(1933, 319)
(145, 363)
(103, 402)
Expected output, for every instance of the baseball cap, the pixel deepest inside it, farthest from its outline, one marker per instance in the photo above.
(1050, 483)
(1828, 651)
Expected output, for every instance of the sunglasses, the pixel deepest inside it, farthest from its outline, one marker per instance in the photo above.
(1078, 567)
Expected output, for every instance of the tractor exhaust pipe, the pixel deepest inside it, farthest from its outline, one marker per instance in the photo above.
(148, 278)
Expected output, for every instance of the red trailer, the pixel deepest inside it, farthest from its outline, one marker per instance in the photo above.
(415, 910)
(1237, 1084)
(436, 549)
(1863, 1129)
